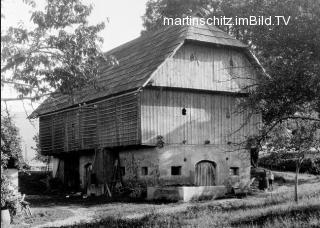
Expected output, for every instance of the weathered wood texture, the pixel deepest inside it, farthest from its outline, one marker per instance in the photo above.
(209, 116)
(138, 59)
(205, 174)
(206, 67)
(113, 122)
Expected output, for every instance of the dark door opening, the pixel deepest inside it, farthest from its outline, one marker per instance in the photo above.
(71, 172)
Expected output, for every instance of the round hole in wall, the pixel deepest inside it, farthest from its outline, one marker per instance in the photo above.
(227, 158)
(185, 159)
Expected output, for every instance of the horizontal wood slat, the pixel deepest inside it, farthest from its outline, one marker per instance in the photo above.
(113, 122)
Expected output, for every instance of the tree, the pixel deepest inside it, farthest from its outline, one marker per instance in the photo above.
(61, 53)
(296, 137)
(11, 153)
(156, 10)
(11, 157)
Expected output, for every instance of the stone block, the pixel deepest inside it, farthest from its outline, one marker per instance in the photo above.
(185, 193)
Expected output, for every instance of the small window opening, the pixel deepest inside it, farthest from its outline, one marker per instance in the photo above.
(228, 115)
(192, 57)
(122, 170)
(144, 171)
(234, 171)
(175, 170)
(231, 62)
(184, 111)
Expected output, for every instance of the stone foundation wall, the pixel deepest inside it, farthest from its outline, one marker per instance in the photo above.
(159, 161)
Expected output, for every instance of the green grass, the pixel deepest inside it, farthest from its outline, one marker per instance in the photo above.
(277, 210)
(40, 216)
(263, 210)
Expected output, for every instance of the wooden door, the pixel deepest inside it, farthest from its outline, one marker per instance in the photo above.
(205, 174)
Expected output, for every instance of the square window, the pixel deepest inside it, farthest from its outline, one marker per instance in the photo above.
(144, 171)
(175, 170)
(234, 171)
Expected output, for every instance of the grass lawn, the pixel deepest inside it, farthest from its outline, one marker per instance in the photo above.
(41, 216)
(276, 210)
(263, 209)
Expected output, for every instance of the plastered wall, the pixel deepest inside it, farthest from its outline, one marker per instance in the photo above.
(160, 160)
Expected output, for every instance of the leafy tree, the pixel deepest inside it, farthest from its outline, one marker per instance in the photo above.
(156, 10)
(60, 53)
(11, 157)
(11, 153)
(296, 137)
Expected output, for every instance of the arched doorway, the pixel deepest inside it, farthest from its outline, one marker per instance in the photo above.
(205, 173)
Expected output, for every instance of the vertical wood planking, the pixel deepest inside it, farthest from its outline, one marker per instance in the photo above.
(206, 118)
(210, 69)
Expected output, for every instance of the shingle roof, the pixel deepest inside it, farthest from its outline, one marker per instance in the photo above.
(138, 59)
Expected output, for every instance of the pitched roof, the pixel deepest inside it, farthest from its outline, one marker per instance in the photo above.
(138, 59)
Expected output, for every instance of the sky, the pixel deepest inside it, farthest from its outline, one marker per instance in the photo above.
(123, 23)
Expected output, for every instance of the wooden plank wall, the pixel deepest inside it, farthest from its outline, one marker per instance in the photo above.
(45, 134)
(207, 68)
(113, 122)
(208, 116)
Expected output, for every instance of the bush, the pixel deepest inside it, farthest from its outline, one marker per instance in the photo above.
(286, 162)
(10, 199)
(34, 182)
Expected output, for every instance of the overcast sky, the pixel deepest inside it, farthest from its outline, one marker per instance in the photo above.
(123, 23)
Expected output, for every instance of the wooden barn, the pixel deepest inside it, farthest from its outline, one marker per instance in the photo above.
(168, 114)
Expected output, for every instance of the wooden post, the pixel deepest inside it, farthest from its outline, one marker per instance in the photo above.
(296, 199)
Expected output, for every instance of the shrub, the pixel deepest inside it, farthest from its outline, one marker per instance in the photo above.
(10, 199)
(286, 162)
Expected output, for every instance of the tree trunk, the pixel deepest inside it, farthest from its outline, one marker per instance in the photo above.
(296, 184)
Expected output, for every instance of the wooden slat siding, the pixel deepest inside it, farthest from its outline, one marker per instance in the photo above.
(161, 114)
(58, 133)
(209, 71)
(88, 127)
(45, 134)
(139, 118)
(72, 130)
(107, 123)
(110, 123)
(118, 122)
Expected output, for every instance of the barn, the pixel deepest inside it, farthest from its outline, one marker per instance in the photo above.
(168, 116)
